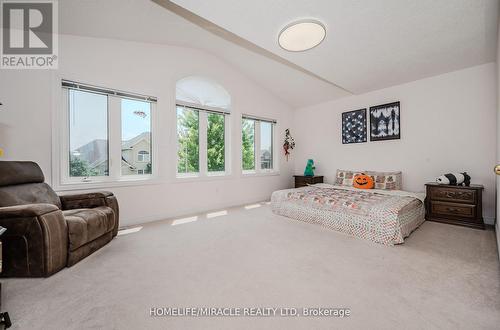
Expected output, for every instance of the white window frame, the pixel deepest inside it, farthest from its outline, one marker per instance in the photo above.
(115, 178)
(257, 147)
(202, 142)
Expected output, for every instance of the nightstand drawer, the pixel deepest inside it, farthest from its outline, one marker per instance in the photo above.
(453, 195)
(303, 181)
(453, 209)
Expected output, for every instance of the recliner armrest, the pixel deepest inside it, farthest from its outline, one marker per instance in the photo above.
(84, 200)
(91, 200)
(36, 240)
(95, 194)
(27, 210)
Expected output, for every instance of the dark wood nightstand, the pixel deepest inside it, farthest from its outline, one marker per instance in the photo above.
(302, 181)
(457, 205)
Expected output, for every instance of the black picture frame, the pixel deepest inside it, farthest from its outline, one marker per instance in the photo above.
(390, 113)
(354, 126)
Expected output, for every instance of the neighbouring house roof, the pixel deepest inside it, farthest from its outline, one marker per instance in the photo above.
(100, 161)
(135, 140)
(127, 163)
(95, 152)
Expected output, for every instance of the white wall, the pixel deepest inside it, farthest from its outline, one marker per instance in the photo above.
(448, 123)
(29, 97)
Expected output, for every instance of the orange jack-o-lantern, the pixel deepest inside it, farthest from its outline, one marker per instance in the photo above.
(363, 181)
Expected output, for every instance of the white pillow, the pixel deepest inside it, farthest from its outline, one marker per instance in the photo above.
(345, 177)
(387, 180)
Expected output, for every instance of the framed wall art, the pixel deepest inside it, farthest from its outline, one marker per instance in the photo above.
(385, 122)
(354, 126)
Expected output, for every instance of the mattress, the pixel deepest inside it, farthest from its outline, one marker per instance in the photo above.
(382, 216)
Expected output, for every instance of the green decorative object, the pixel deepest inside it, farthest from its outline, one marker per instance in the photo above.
(309, 171)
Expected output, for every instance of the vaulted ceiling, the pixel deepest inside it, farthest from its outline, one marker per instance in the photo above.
(369, 45)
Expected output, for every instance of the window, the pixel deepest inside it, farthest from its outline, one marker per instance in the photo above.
(188, 140)
(266, 145)
(202, 123)
(88, 134)
(143, 156)
(248, 144)
(257, 138)
(136, 137)
(106, 134)
(216, 155)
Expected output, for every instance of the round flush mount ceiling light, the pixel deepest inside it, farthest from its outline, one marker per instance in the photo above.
(302, 35)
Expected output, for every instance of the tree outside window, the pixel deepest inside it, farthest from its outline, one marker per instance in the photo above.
(248, 144)
(188, 140)
(215, 143)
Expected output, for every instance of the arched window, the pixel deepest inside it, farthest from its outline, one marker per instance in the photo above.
(202, 93)
(143, 156)
(203, 107)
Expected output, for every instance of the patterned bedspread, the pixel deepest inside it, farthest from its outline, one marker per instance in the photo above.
(380, 216)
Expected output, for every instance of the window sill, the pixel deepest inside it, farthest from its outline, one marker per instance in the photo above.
(199, 178)
(106, 184)
(131, 182)
(249, 174)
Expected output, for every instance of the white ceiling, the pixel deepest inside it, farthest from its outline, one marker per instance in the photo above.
(369, 44)
(145, 21)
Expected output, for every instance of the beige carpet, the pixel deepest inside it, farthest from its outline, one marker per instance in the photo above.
(443, 277)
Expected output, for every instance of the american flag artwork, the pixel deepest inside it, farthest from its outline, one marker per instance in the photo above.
(354, 126)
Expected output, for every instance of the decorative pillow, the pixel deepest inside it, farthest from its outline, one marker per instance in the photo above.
(363, 181)
(386, 180)
(345, 177)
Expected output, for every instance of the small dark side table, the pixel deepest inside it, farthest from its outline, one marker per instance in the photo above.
(303, 181)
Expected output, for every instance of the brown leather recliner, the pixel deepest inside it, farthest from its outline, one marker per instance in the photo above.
(47, 232)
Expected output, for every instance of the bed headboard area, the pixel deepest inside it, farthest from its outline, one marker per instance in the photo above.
(390, 180)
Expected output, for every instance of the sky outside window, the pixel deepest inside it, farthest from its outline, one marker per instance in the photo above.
(136, 118)
(88, 118)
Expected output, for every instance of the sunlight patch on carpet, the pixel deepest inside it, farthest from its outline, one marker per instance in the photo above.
(216, 214)
(252, 206)
(184, 220)
(129, 230)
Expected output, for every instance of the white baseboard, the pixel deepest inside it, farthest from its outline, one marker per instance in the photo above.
(489, 221)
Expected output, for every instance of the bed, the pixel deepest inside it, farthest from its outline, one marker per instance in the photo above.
(382, 216)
